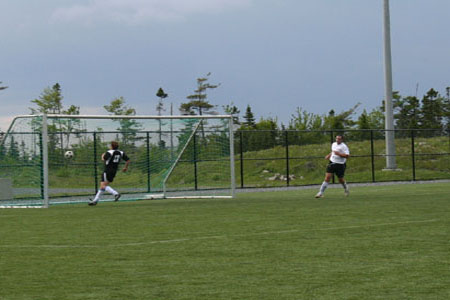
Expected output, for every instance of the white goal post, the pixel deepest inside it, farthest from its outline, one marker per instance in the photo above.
(171, 157)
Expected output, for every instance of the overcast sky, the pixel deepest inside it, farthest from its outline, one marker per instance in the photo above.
(274, 55)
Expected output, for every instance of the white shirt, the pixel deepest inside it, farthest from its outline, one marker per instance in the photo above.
(342, 148)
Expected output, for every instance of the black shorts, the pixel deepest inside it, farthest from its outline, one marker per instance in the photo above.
(338, 169)
(108, 176)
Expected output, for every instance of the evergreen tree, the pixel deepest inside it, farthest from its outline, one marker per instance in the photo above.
(13, 151)
(249, 118)
(23, 151)
(406, 112)
(159, 108)
(161, 95)
(363, 123)
(432, 110)
(198, 103)
(263, 135)
(447, 109)
(231, 109)
(2, 148)
(373, 120)
(250, 140)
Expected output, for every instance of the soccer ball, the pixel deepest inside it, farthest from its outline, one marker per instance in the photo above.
(68, 154)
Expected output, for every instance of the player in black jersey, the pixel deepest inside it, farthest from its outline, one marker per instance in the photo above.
(111, 159)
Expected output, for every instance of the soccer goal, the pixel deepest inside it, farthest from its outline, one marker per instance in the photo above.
(50, 159)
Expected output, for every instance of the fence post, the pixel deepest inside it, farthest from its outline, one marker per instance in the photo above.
(241, 159)
(232, 158)
(286, 140)
(148, 162)
(95, 163)
(448, 135)
(41, 163)
(372, 155)
(195, 162)
(332, 141)
(413, 156)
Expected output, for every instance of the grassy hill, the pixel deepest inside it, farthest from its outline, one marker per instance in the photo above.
(307, 163)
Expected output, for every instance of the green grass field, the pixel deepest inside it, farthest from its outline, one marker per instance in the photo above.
(382, 242)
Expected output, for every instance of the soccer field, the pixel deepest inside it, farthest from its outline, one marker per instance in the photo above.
(382, 242)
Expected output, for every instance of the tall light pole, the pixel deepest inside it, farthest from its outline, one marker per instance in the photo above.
(389, 114)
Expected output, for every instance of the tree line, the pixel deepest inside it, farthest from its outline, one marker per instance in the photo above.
(431, 111)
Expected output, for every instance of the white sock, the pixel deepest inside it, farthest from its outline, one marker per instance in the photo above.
(111, 190)
(99, 193)
(323, 187)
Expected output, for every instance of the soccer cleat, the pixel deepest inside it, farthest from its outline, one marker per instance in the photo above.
(117, 197)
(92, 203)
(346, 192)
(319, 195)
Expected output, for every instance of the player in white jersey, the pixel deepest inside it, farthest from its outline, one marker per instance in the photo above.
(111, 159)
(337, 157)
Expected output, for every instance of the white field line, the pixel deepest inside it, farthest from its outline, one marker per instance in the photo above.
(20, 206)
(217, 236)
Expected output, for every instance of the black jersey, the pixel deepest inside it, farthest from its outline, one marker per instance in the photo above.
(112, 159)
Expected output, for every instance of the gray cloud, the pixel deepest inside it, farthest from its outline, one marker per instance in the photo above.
(139, 11)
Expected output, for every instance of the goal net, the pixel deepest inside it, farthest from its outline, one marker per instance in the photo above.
(50, 159)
